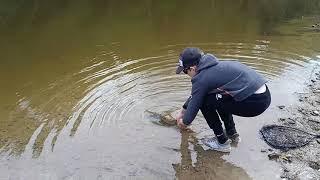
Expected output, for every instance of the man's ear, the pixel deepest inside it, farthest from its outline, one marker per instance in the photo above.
(194, 68)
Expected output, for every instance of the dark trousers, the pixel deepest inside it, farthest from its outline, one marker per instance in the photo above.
(226, 106)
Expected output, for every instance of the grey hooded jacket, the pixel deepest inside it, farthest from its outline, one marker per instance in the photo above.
(222, 77)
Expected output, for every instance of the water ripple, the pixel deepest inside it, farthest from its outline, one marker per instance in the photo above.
(110, 91)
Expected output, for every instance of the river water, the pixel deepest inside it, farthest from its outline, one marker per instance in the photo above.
(78, 77)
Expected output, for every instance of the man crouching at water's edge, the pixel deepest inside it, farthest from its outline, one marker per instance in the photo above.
(220, 89)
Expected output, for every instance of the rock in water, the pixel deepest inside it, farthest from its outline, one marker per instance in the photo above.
(273, 156)
(315, 113)
(263, 150)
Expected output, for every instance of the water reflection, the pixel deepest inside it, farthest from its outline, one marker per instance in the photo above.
(196, 163)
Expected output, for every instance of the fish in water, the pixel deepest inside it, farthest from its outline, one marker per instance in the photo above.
(163, 119)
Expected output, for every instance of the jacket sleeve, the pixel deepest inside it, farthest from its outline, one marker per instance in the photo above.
(185, 105)
(198, 93)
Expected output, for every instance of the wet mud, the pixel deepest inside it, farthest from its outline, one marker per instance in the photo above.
(302, 162)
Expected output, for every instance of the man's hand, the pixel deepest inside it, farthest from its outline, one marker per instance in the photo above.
(180, 114)
(181, 125)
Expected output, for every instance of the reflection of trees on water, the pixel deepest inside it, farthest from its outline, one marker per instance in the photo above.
(268, 12)
(208, 165)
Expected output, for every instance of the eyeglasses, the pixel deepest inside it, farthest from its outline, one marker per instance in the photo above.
(185, 70)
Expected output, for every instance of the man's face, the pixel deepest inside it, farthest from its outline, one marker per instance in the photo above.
(191, 71)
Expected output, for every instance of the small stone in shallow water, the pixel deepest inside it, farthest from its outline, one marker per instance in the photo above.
(312, 80)
(282, 119)
(291, 121)
(314, 165)
(302, 111)
(263, 150)
(273, 156)
(316, 91)
(281, 107)
(315, 113)
(287, 158)
(283, 177)
(270, 149)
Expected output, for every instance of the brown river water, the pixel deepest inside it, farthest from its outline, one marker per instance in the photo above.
(78, 77)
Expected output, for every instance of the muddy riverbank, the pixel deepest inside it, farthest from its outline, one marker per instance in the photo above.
(304, 162)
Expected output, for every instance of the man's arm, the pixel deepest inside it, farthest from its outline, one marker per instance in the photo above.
(180, 115)
(185, 105)
(199, 91)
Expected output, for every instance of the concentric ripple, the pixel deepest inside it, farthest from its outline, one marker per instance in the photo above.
(101, 107)
(110, 91)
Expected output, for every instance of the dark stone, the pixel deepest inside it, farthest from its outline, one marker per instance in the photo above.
(291, 121)
(314, 165)
(282, 119)
(281, 107)
(302, 111)
(273, 156)
(263, 150)
(283, 176)
(315, 113)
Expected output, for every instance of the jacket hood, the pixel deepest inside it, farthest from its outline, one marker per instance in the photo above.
(207, 61)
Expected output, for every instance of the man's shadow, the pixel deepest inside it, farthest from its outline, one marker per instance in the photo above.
(207, 164)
